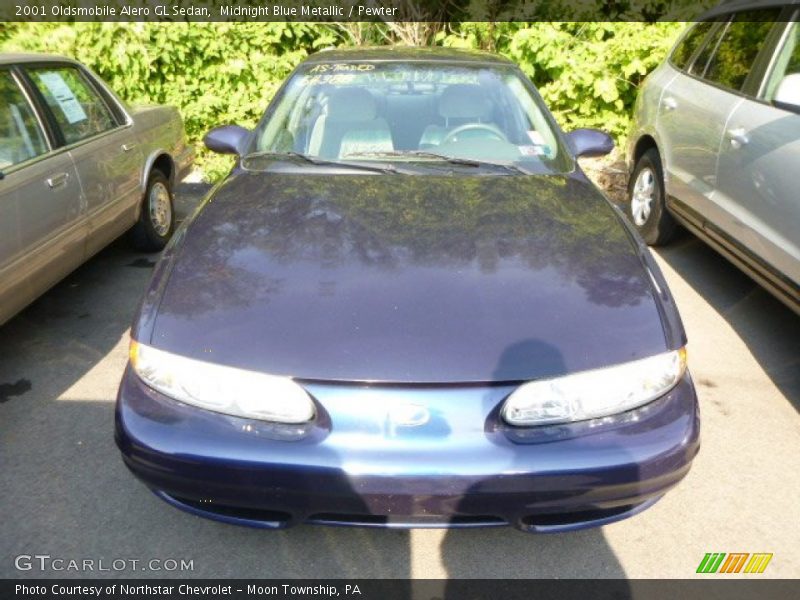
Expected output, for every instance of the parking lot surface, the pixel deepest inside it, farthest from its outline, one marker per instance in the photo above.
(66, 494)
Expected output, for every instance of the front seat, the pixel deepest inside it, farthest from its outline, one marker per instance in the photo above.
(349, 125)
(458, 105)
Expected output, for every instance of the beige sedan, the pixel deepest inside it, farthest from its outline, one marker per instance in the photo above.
(78, 168)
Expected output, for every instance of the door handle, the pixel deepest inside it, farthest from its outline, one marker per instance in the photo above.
(57, 180)
(669, 103)
(738, 137)
(128, 147)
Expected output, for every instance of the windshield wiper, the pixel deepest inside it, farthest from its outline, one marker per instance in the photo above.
(315, 160)
(453, 160)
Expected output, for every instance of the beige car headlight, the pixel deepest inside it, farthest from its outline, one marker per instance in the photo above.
(222, 389)
(595, 393)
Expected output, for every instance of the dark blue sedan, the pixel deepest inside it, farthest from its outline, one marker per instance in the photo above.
(406, 306)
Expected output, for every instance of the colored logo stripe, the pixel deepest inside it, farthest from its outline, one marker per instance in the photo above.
(734, 562)
(758, 563)
(710, 562)
(713, 562)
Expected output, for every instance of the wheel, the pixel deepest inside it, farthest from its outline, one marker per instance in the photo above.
(646, 205)
(157, 219)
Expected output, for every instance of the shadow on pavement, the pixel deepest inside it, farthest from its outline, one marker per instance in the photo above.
(770, 330)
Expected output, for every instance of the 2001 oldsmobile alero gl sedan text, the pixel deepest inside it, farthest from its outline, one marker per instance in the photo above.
(406, 306)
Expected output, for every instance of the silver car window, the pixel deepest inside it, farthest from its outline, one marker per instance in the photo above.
(690, 42)
(741, 43)
(21, 137)
(78, 109)
(787, 62)
(700, 63)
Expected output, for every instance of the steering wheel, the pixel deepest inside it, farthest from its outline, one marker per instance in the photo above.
(494, 131)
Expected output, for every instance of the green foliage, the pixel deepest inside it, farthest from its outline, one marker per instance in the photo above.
(588, 73)
(217, 73)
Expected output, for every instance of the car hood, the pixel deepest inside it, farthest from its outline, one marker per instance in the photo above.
(404, 278)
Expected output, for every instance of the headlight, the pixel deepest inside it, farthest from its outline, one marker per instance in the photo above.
(597, 393)
(227, 390)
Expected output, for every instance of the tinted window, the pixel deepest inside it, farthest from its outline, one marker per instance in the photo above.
(21, 138)
(78, 109)
(737, 51)
(699, 66)
(687, 46)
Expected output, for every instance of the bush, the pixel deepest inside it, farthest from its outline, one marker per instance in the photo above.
(587, 73)
(218, 73)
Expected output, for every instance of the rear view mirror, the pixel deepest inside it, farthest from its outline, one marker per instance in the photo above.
(590, 142)
(787, 96)
(227, 139)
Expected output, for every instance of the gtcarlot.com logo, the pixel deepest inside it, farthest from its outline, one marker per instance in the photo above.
(734, 562)
(45, 562)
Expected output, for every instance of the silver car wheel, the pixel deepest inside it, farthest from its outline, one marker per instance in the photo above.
(160, 208)
(642, 197)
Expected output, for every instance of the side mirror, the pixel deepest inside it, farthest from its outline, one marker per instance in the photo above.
(787, 96)
(590, 142)
(227, 139)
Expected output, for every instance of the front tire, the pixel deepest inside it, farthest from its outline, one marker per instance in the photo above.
(646, 201)
(156, 222)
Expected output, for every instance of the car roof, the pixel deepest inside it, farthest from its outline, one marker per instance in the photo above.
(731, 6)
(406, 53)
(19, 57)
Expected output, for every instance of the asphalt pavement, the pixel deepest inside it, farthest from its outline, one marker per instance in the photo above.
(66, 494)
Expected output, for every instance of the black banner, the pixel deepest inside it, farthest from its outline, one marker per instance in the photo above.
(392, 589)
(354, 10)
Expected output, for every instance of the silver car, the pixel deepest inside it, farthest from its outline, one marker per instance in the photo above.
(716, 142)
(77, 169)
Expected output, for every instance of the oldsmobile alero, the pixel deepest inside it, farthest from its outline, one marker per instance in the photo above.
(406, 306)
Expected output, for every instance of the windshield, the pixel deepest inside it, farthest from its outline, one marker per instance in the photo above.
(413, 112)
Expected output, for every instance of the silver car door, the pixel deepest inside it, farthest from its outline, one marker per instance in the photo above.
(42, 226)
(691, 118)
(100, 139)
(759, 164)
(696, 106)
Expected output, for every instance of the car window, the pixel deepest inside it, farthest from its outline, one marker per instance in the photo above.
(739, 46)
(700, 63)
(21, 137)
(398, 111)
(787, 62)
(690, 42)
(78, 109)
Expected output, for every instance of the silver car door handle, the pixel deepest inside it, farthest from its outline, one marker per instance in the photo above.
(57, 180)
(128, 147)
(669, 103)
(738, 137)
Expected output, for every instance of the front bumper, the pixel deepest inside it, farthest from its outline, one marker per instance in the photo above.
(355, 466)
